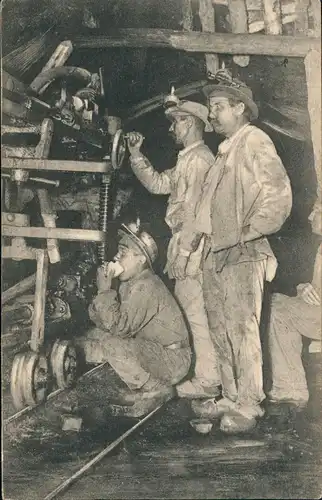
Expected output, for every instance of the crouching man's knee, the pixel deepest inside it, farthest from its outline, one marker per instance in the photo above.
(169, 366)
(93, 345)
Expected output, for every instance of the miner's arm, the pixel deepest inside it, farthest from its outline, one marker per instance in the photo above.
(153, 181)
(123, 318)
(276, 193)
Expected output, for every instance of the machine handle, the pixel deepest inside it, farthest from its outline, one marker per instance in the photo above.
(37, 179)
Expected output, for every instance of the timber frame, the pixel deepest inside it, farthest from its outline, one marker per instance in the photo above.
(235, 44)
(196, 41)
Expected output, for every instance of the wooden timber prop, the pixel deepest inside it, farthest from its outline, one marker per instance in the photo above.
(194, 41)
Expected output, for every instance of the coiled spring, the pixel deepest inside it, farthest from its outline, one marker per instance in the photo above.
(103, 216)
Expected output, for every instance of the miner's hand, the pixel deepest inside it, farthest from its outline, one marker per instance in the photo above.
(309, 294)
(134, 142)
(87, 93)
(179, 267)
(104, 277)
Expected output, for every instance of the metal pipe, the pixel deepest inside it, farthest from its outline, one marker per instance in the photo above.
(37, 179)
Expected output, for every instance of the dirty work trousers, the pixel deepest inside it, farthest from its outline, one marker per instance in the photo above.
(233, 299)
(291, 319)
(189, 293)
(136, 360)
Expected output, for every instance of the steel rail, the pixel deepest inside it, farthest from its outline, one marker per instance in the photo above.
(102, 454)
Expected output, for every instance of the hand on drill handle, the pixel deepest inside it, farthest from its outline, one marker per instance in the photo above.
(134, 143)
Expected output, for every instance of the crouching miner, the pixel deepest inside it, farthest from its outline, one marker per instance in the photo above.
(140, 330)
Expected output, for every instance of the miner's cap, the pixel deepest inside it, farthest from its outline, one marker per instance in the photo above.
(142, 240)
(236, 90)
(184, 108)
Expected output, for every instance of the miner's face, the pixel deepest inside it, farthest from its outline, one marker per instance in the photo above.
(179, 128)
(130, 258)
(223, 116)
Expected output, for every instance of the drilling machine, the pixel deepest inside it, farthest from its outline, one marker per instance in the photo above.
(47, 360)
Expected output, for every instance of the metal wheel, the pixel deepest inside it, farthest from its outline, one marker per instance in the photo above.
(35, 378)
(16, 381)
(118, 150)
(63, 360)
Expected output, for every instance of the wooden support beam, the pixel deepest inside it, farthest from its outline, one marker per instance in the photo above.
(57, 165)
(49, 218)
(316, 14)
(187, 15)
(272, 17)
(57, 59)
(59, 56)
(38, 317)
(59, 233)
(18, 289)
(312, 64)
(238, 23)
(302, 16)
(11, 83)
(194, 41)
(46, 210)
(15, 252)
(207, 20)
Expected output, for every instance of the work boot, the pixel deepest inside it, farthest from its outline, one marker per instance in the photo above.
(211, 409)
(240, 419)
(295, 404)
(151, 390)
(193, 389)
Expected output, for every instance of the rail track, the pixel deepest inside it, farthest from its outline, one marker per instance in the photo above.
(102, 454)
(51, 489)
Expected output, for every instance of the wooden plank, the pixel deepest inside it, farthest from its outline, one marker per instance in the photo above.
(18, 289)
(46, 210)
(38, 318)
(272, 17)
(58, 58)
(187, 15)
(14, 110)
(238, 23)
(57, 165)
(316, 14)
(49, 218)
(11, 252)
(207, 20)
(11, 129)
(302, 17)
(194, 41)
(312, 64)
(59, 233)
(11, 83)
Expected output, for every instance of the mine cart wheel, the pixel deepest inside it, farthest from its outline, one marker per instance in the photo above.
(16, 382)
(63, 360)
(118, 149)
(35, 378)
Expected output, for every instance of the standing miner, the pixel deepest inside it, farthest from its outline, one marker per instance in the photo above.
(247, 195)
(184, 184)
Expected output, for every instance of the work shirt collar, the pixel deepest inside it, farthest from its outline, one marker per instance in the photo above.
(224, 147)
(142, 275)
(186, 150)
